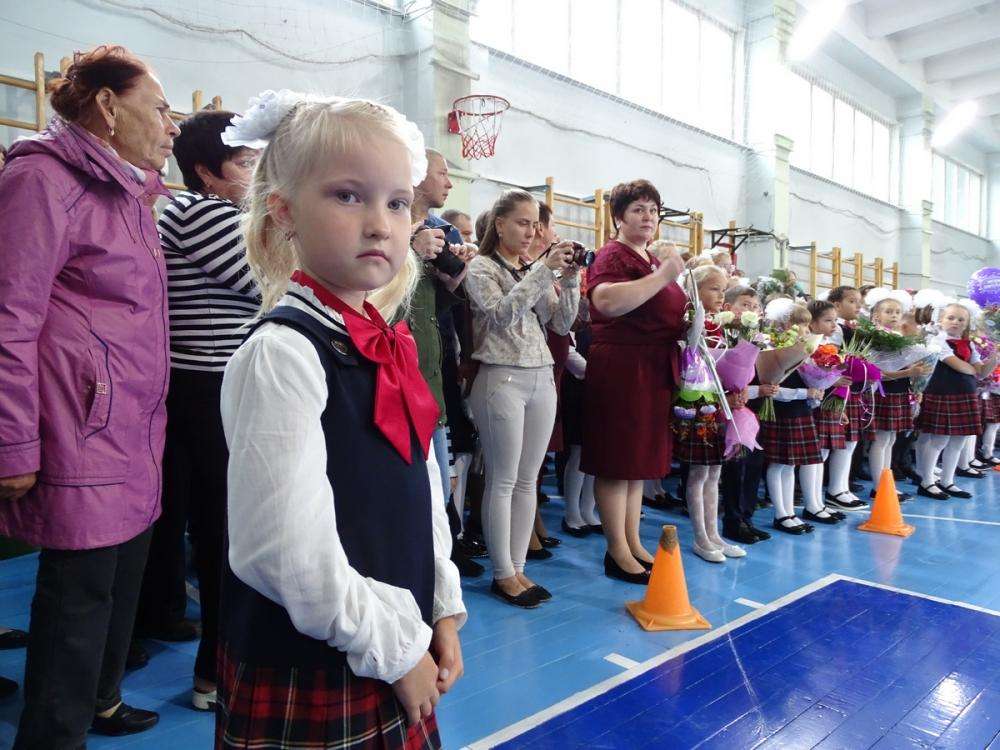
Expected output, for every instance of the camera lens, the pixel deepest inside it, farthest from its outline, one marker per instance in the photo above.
(582, 256)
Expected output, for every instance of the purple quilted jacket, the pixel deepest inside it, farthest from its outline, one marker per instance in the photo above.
(83, 342)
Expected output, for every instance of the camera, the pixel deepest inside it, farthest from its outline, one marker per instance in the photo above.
(582, 257)
(446, 261)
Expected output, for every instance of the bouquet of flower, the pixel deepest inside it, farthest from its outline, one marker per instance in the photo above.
(791, 347)
(735, 367)
(695, 408)
(881, 338)
(824, 368)
(859, 369)
(745, 327)
(991, 317)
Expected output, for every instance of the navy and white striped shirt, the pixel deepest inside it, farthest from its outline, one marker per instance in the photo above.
(212, 293)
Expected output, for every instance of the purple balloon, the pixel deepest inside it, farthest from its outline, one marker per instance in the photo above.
(984, 287)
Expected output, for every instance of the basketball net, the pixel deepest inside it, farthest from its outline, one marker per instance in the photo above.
(477, 120)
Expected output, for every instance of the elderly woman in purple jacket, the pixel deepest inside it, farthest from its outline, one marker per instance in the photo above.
(83, 361)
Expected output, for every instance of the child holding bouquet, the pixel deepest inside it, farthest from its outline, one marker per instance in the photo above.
(789, 439)
(892, 411)
(847, 302)
(699, 440)
(950, 409)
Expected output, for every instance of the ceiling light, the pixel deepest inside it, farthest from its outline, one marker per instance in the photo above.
(814, 28)
(954, 123)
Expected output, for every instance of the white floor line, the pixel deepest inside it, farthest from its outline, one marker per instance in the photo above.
(957, 520)
(940, 599)
(583, 696)
(749, 603)
(621, 661)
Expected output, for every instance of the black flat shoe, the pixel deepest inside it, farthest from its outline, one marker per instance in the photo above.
(175, 632)
(549, 541)
(989, 460)
(473, 548)
(539, 554)
(613, 570)
(760, 534)
(541, 593)
(835, 513)
(742, 534)
(137, 656)
(526, 599)
(956, 491)
(7, 688)
(643, 563)
(971, 473)
(595, 528)
(934, 492)
(467, 568)
(13, 639)
(794, 530)
(830, 520)
(578, 531)
(977, 464)
(125, 720)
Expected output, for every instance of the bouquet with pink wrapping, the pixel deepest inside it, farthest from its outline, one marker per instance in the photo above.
(861, 372)
(736, 367)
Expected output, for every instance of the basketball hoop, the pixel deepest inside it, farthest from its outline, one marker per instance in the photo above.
(477, 119)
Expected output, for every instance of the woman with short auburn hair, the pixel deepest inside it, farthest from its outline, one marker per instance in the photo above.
(637, 319)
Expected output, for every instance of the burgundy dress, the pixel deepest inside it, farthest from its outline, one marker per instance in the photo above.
(632, 369)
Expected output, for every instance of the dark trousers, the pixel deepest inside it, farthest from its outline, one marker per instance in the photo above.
(740, 484)
(194, 499)
(81, 626)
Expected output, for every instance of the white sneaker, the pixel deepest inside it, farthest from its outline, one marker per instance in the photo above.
(709, 555)
(733, 550)
(204, 701)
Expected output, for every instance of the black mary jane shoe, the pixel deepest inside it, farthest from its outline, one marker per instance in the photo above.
(125, 720)
(549, 541)
(13, 639)
(935, 492)
(830, 520)
(989, 460)
(539, 554)
(794, 530)
(578, 531)
(971, 473)
(595, 528)
(614, 570)
(956, 491)
(541, 593)
(527, 599)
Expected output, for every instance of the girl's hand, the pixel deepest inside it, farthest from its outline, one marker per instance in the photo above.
(815, 394)
(735, 400)
(843, 383)
(767, 390)
(417, 690)
(447, 649)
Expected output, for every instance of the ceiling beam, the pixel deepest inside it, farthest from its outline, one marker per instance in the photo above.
(966, 62)
(960, 32)
(973, 87)
(884, 17)
(989, 105)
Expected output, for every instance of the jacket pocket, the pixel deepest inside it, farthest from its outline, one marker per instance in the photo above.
(100, 390)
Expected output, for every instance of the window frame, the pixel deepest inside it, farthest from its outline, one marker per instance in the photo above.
(946, 199)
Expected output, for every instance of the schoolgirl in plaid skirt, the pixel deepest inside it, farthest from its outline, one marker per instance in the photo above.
(340, 606)
(991, 425)
(950, 410)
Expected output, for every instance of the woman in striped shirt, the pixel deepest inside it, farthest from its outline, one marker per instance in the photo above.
(212, 296)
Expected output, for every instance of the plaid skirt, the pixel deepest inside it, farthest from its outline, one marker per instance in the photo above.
(829, 430)
(953, 414)
(991, 409)
(294, 708)
(698, 451)
(790, 441)
(856, 418)
(892, 413)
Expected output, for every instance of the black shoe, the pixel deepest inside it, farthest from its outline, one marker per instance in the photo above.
(662, 501)
(614, 570)
(137, 656)
(525, 600)
(595, 528)
(539, 554)
(970, 473)
(839, 502)
(643, 563)
(855, 487)
(956, 491)
(835, 513)
(989, 460)
(125, 720)
(830, 520)
(13, 639)
(541, 593)
(759, 533)
(742, 533)
(977, 463)
(578, 531)
(175, 632)
(472, 548)
(542, 498)
(467, 568)
(935, 492)
(7, 688)
(549, 541)
(901, 496)
(795, 530)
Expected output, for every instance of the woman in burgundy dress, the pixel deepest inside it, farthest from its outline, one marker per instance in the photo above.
(637, 313)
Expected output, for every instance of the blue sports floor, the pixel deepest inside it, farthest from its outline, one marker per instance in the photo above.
(800, 656)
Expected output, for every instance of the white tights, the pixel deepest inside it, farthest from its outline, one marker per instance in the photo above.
(811, 482)
(703, 505)
(880, 454)
(579, 492)
(990, 439)
(840, 469)
(932, 447)
(781, 487)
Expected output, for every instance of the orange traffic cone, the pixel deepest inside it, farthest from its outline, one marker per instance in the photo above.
(666, 606)
(886, 517)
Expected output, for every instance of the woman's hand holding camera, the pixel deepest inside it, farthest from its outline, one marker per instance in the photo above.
(560, 258)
